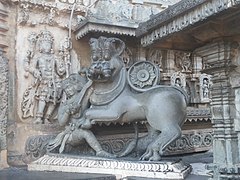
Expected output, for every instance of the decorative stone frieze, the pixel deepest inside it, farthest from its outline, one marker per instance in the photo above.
(4, 25)
(123, 14)
(180, 16)
(34, 13)
(191, 141)
(120, 168)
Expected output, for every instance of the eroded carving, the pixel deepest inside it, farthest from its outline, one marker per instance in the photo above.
(42, 97)
(156, 56)
(183, 61)
(4, 99)
(178, 79)
(70, 116)
(205, 82)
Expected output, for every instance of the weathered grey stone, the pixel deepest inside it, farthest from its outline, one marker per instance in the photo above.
(21, 40)
(120, 168)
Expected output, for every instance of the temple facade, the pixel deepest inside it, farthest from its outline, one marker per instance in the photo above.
(194, 44)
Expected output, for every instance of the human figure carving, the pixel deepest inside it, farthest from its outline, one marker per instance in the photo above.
(47, 71)
(205, 88)
(69, 115)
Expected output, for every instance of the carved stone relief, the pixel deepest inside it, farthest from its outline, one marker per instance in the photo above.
(46, 69)
(183, 61)
(191, 141)
(178, 79)
(155, 56)
(143, 75)
(123, 12)
(99, 99)
(127, 57)
(4, 99)
(205, 83)
(51, 13)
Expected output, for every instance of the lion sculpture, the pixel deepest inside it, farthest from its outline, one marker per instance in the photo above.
(121, 96)
(118, 95)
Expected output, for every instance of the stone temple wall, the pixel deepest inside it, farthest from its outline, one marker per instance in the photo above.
(28, 110)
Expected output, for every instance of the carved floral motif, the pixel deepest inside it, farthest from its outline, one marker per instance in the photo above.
(143, 75)
(191, 141)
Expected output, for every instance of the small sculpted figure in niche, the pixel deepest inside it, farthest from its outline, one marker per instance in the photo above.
(178, 82)
(186, 63)
(69, 115)
(205, 88)
(48, 72)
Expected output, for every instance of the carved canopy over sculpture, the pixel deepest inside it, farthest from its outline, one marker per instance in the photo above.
(108, 96)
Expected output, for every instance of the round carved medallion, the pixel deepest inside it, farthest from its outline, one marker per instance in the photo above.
(143, 75)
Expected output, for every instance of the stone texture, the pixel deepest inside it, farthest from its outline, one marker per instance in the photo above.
(119, 168)
(218, 62)
(29, 16)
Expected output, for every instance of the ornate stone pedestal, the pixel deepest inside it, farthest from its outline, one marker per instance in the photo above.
(119, 168)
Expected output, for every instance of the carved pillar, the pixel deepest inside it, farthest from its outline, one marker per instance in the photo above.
(217, 58)
(4, 85)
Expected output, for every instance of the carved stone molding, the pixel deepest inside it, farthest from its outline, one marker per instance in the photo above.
(87, 27)
(198, 114)
(33, 13)
(3, 26)
(179, 16)
(118, 17)
(120, 168)
(4, 99)
(36, 147)
(191, 141)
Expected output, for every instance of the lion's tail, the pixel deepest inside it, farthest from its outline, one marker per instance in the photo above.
(132, 144)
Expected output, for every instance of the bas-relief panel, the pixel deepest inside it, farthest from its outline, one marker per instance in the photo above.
(40, 69)
(182, 69)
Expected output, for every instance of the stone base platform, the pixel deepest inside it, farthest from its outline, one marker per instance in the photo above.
(119, 168)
